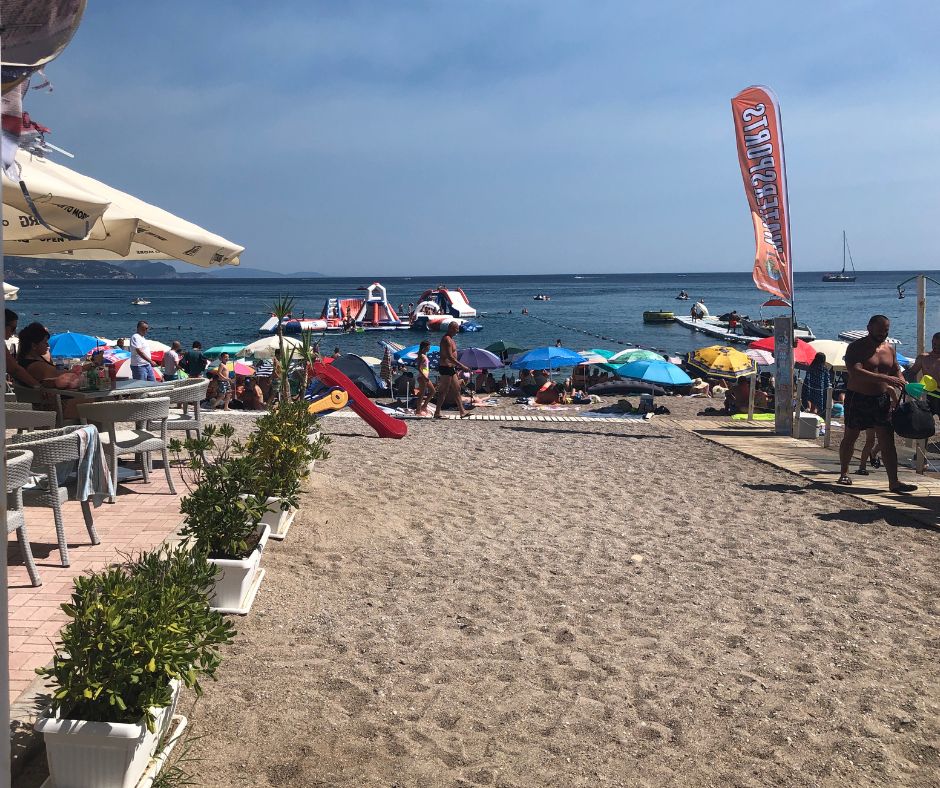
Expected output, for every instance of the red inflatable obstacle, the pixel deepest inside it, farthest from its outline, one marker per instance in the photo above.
(386, 426)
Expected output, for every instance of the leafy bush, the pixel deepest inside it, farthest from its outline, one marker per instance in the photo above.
(219, 519)
(281, 446)
(132, 629)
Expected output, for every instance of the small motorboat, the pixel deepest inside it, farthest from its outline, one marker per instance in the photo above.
(140, 301)
(659, 316)
(541, 297)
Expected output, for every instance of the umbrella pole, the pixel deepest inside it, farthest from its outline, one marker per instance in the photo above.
(750, 398)
(828, 439)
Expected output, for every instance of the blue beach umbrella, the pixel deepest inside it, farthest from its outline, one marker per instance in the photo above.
(547, 358)
(71, 345)
(661, 372)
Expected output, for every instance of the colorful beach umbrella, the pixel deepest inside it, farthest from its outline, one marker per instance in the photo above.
(549, 357)
(72, 345)
(241, 368)
(803, 353)
(720, 361)
(478, 358)
(764, 358)
(661, 372)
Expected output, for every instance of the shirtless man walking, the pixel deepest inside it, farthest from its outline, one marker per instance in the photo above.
(447, 367)
(929, 364)
(873, 376)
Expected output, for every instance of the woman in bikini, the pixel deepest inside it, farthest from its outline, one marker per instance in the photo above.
(425, 387)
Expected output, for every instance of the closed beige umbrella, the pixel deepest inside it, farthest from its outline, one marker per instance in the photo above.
(129, 229)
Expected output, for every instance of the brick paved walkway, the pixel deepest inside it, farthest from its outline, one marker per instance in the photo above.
(144, 515)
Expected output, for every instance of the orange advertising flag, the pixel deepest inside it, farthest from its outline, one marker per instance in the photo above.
(759, 135)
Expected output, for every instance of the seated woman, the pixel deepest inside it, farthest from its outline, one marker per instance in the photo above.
(33, 356)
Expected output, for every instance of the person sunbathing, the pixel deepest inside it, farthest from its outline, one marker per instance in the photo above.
(548, 394)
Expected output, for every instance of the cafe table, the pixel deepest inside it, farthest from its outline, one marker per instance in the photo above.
(122, 390)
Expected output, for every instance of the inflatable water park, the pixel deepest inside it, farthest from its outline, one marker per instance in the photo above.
(439, 307)
(436, 310)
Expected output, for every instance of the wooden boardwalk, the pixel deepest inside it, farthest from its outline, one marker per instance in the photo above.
(819, 465)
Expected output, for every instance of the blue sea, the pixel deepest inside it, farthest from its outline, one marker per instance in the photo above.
(584, 308)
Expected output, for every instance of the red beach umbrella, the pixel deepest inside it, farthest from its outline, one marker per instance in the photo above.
(802, 353)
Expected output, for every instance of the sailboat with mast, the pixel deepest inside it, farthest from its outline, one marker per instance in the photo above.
(843, 276)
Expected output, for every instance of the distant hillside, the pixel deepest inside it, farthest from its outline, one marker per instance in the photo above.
(20, 268)
(17, 269)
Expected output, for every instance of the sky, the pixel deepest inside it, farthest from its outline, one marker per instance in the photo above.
(375, 137)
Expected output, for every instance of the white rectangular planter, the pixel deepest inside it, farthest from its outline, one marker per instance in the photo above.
(239, 579)
(278, 519)
(84, 754)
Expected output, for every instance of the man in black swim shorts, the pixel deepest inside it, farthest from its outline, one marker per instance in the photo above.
(874, 379)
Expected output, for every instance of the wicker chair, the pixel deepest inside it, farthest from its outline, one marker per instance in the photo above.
(18, 465)
(186, 396)
(146, 411)
(48, 449)
(43, 397)
(20, 419)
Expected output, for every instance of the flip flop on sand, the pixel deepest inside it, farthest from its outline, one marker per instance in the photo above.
(843, 479)
(903, 488)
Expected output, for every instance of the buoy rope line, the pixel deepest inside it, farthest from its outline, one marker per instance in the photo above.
(599, 336)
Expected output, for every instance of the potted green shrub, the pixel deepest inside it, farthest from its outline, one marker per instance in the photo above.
(278, 446)
(136, 633)
(219, 519)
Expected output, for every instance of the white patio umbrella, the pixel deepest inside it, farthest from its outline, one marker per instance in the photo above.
(130, 229)
(833, 349)
(10, 292)
(155, 346)
(267, 347)
(66, 207)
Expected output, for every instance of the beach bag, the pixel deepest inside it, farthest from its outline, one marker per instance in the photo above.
(913, 419)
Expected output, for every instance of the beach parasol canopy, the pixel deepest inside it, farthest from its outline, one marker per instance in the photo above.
(478, 358)
(834, 350)
(504, 349)
(720, 361)
(548, 357)
(72, 345)
(267, 347)
(764, 358)
(803, 353)
(635, 354)
(231, 348)
(10, 292)
(243, 368)
(129, 228)
(661, 372)
(63, 207)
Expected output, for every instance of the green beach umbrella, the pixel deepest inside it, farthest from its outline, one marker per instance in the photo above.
(635, 354)
(231, 348)
(504, 349)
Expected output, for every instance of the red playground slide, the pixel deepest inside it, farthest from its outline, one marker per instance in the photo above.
(386, 426)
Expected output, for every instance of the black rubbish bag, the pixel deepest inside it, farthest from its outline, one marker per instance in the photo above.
(913, 419)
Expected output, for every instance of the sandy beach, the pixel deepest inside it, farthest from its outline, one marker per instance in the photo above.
(537, 604)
